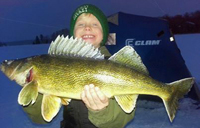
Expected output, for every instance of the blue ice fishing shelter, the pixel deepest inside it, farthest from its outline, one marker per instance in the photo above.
(154, 42)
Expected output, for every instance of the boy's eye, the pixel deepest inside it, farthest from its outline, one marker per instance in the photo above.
(95, 25)
(81, 25)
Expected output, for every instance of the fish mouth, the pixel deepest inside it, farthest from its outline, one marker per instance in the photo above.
(7, 69)
(3, 65)
(10, 69)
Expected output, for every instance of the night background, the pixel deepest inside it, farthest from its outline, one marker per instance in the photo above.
(28, 21)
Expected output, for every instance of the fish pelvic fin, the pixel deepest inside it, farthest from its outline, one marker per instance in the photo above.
(179, 89)
(28, 94)
(50, 107)
(127, 102)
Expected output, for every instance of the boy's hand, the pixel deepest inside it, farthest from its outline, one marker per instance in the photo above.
(94, 98)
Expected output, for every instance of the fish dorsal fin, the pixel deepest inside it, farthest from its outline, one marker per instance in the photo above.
(127, 102)
(65, 46)
(129, 57)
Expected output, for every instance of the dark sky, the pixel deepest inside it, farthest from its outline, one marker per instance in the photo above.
(24, 19)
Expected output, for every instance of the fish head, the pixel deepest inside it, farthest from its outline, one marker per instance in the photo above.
(19, 70)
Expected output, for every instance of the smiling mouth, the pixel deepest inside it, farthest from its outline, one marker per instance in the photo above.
(88, 36)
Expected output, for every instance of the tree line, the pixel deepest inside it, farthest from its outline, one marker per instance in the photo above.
(182, 24)
(41, 39)
(2, 44)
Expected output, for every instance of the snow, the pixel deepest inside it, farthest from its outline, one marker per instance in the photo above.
(189, 44)
(149, 114)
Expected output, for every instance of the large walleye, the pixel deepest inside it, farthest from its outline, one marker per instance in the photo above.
(71, 64)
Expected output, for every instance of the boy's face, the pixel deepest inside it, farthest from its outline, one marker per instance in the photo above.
(89, 29)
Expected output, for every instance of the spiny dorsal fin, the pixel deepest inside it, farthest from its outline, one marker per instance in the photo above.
(127, 102)
(129, 57)
(65, 46)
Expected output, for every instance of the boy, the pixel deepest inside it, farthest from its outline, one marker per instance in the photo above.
(96, 110)
(89, 23)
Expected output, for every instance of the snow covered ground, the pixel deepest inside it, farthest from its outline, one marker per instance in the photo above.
(189, 44)
(149, 114)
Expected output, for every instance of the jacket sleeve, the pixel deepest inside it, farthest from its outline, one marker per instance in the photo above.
(34, 111)
(111, 117)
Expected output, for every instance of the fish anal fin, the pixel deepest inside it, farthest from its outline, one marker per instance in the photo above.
(65, 101)
(28, 94)
(50, 107)
(127, 102)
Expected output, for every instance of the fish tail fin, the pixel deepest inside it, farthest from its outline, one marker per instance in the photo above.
(179, 89)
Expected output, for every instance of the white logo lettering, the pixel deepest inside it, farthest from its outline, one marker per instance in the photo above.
(129, 42)
(132, 42)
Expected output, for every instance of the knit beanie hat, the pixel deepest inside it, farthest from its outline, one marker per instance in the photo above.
(88, 8)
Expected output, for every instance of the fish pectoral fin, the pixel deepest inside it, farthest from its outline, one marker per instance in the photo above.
(127, 102)
(65, 101)
(50, 107)
(28, 94)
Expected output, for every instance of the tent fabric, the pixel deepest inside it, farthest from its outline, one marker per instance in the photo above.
(150, 37)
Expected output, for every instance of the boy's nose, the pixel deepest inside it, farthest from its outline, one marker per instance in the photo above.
(87, 28)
